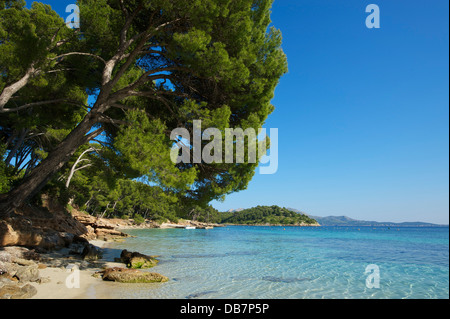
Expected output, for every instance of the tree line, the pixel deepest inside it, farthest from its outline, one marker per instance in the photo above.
(261, 215)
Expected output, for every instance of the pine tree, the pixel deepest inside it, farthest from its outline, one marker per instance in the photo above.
(153, 66)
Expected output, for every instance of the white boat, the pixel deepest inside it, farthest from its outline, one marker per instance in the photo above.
(189, 227)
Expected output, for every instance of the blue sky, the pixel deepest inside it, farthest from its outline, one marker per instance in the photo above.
(362, 114)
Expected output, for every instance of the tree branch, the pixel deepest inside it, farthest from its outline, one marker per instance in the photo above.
(94, 134)
(80, 53)
(82, 167)
(12, 89)
(107, 119)
(79, 159)
(59, 70)
(16, 109)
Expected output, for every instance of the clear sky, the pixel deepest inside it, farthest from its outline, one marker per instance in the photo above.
(362, 114)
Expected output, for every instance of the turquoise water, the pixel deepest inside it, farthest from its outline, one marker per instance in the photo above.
(240, 262)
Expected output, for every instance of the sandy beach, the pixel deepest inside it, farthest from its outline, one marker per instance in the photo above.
(64, 283)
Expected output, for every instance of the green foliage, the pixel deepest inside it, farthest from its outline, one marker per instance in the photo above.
(206, 214)
(104, 189)
(262, 215)
(29, 39)
(147, 149)
(214, 61)
(138, 219)
(4, 180)
(224, 62)
(69, 208)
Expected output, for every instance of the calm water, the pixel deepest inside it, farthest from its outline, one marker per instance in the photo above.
(275, 262)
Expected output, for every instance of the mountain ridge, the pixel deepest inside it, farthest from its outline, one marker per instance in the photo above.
(347, 221)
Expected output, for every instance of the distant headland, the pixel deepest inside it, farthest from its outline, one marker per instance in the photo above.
(347, 221)
(267, 216)
(273, 215)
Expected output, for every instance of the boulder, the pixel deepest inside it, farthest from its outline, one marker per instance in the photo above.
(90, 233)
(20, 252)
(137, 260)
(27, 273)
(36, 227)
(125, 275)
(90, 252)
(97, 227)
(14, 291)
(9, 269)
(19, 233)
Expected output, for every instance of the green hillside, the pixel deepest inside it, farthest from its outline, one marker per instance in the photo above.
(262, 215)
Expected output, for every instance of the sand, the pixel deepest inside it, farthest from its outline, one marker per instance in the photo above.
(67, 284)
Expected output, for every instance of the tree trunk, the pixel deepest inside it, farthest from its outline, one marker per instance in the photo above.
(37, 179)
(104, 212)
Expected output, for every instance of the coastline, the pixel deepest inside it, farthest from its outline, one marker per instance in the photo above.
(52, 253)
(58, 274)
(95, 288)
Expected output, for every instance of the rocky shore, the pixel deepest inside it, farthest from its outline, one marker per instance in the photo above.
(49, 253)
(79, 271)
(52, 227)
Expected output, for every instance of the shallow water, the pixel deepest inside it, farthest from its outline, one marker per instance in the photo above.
(241, 262)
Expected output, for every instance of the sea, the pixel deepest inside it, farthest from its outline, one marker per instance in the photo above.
(250, 262)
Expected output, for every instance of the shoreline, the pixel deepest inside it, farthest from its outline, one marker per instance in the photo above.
(64, 274)
(90, 287)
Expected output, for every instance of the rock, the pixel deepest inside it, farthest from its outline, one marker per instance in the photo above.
(14, 291)
(27, 273)
(10, 269)
(52, 240)
(46, 227)
(23, 262)
(9, 290)
(97, 228)
(125, 275)
(80, 240)
(6, 279)
(50, 227)
(90, 234)
(26, 292)
(20, 252)
(18, 233)
(5, 256)
(90, 252)
(67, 238)
(108, 233)
(137, 260)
